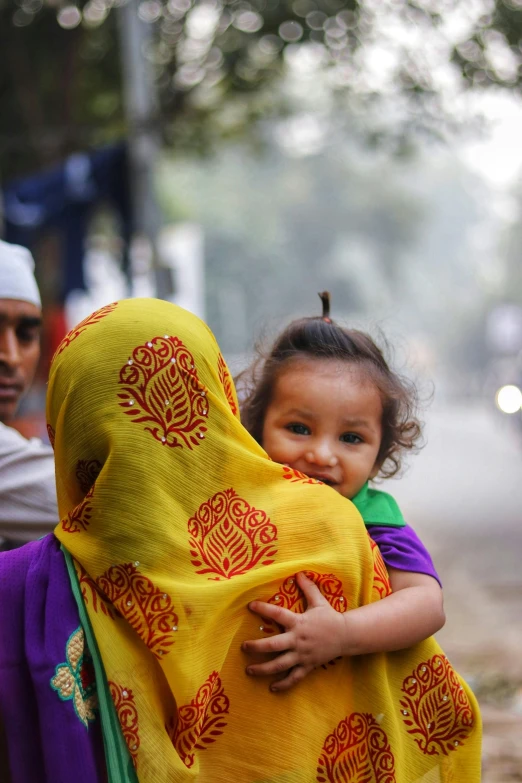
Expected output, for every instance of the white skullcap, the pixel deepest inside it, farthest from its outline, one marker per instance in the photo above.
(17, 280)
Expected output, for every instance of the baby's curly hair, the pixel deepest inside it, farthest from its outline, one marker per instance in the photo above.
(322, 338)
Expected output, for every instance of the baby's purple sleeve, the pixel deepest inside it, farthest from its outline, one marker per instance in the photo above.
(401, 548)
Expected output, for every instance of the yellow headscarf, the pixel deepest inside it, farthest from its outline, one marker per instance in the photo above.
(176, 519)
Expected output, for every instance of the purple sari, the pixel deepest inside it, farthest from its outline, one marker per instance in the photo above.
(47, 687)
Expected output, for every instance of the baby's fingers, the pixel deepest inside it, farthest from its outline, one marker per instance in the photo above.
(272, 644)
(313, 595)
(278, 665)
(270, 612)
(294, 676)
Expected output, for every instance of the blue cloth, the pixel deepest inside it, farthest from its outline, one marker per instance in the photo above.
(63, 199)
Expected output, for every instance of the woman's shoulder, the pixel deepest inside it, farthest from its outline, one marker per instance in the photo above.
(15, 564)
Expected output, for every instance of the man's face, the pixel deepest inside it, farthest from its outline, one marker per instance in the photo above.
(20, 325)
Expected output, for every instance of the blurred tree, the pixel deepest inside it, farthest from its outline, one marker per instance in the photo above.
(213, 60)
(404, 241)
(492, 53)
(279, 229)
(59, 89)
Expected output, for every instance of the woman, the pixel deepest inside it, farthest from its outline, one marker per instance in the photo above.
(172, 520)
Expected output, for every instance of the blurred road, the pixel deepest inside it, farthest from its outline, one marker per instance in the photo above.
(466, 485)
(463, 495)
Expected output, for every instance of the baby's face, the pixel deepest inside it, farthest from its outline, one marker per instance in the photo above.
(325, 419)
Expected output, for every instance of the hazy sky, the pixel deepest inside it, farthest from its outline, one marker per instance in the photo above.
(498, 156)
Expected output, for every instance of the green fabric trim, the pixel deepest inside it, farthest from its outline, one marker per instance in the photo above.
(378, 508)
(119, 764)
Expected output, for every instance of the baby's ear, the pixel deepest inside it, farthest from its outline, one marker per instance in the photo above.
(376, 468)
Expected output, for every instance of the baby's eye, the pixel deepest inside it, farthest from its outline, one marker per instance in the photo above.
(351, 437)
(298, 429)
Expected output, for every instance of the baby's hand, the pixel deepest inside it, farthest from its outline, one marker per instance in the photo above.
(309, 640)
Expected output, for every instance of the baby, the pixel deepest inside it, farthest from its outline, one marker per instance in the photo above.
(326, 404)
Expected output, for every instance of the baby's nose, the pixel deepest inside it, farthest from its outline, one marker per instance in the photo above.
(322, 454)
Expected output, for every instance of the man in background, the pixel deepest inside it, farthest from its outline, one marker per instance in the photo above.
(28, 507)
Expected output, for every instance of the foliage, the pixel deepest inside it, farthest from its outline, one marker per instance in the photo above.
(216, 65)
(492, 54)
(60, 89)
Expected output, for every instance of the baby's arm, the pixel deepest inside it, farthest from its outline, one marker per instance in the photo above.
(410, 614)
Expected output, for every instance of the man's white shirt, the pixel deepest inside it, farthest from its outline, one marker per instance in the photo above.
(28, 508)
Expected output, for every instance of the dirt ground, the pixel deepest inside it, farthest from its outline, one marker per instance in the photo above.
(483, 640)
(463, 495)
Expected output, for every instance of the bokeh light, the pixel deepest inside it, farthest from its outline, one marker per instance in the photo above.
(509, 399)
(291, 31)
(69, 17)
(150, 11)
(248, 21)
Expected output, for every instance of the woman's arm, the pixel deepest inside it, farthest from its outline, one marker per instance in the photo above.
(410, 614)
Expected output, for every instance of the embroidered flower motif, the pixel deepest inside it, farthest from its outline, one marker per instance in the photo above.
(82, 326)
(289, 595)
(226, 382)
(149, 611)
(51, 435)
(87, 471)
(199, 723)
(358, 751)
(74, 680)
(297, 476)
(229, 537)
(381, 581)
(435, 708)
(80, 517)
(161, 388)
(123, 699)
